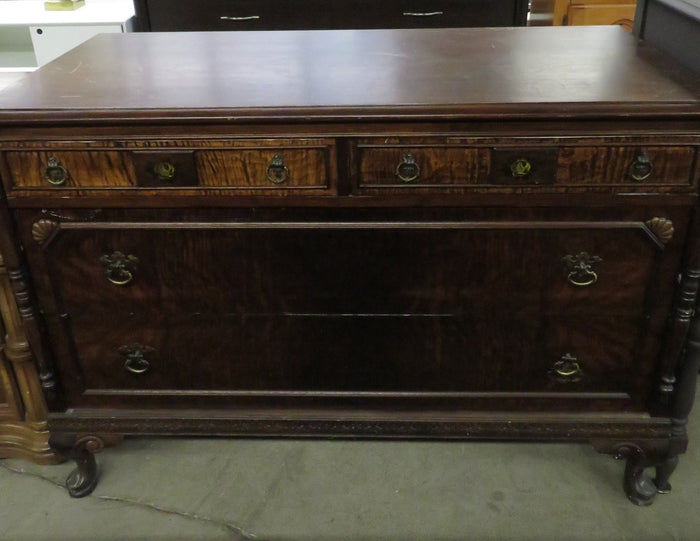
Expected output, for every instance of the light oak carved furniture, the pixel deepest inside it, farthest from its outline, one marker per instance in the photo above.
(23, 428)
(412, 233)
(594, 12)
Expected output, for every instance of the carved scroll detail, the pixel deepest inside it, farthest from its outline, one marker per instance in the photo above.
(662, 228)
(43, 230)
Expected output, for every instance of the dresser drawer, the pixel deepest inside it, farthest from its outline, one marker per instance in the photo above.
(449, 167)
(340, 308)
(278, 354)
(167, 15)
(240, 166)
(425, 13)
(231, 15)
(431, 267)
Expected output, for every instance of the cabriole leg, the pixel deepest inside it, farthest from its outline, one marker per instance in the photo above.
(83, 480)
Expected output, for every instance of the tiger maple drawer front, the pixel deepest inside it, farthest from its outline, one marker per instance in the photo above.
(67, 169)
(247, 166)
(446, 166)
(264, 169)
(421, 166)
(640, 166)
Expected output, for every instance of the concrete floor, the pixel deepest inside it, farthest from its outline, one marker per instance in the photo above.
(181, 489)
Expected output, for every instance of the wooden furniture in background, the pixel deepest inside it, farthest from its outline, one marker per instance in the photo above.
(30, 36)
(397, 233)
(179, 15)
(594, 12)
(23, 427)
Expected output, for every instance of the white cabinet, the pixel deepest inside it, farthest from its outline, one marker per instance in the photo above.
(30, 36)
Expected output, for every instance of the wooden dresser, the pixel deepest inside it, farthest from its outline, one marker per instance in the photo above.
(233, 15)
(465, 233)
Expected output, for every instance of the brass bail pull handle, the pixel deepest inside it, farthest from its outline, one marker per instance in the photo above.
(408, 170)
(55, 173)
(567, 367)
(641, 167)
(136, 361)
(277, 171)
(580, 267)
(119, 267)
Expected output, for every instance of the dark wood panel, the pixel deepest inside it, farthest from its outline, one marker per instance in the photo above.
(355, 354)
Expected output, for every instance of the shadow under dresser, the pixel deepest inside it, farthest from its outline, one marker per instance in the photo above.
(382, 233)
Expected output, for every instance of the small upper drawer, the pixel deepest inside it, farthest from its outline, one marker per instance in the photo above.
(243, 167)
(421, 166)
(430, 165)
(264, 169)
(668, 166)
(70, 169)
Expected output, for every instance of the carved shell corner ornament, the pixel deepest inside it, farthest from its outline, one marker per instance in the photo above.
(662, 229)
(44, 230)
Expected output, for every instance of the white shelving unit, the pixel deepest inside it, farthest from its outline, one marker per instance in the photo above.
(30, 36)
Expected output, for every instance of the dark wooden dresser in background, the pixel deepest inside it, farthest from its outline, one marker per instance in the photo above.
(464, 233)
(201, 15)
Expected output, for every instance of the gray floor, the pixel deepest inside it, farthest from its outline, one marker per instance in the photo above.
(229, 489)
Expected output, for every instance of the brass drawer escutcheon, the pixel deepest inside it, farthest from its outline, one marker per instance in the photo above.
(520, 168)
(136, 361)
(119, 267)
(408, 170)
(580, 267)
(164, 170)
(55, 173)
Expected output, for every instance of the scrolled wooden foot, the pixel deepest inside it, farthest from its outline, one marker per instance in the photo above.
(83, 480)
(639, 487)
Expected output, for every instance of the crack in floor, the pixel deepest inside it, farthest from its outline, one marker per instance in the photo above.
(237, 530)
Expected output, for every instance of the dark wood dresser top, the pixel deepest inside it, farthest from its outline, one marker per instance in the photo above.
(356, 74)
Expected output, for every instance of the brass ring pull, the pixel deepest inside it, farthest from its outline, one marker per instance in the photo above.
(567, 367)
(520, 168)
(164, 171)
(55, 173)
(408, 170)
(574, 278)
(580, 267)
(136, 361)
(641, 168)
(277, 171)
(119, 268)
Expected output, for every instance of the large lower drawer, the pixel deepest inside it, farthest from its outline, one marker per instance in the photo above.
(560, 309)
